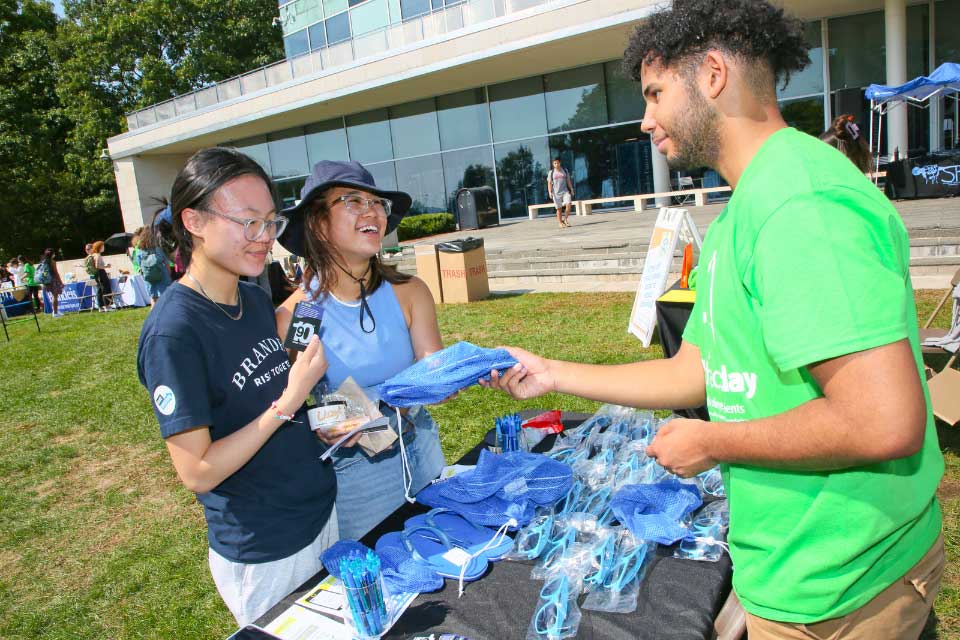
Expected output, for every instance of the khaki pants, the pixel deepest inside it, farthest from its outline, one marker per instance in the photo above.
(899, 612)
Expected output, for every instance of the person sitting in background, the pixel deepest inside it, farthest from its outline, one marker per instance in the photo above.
(104, 289)
(844, 134)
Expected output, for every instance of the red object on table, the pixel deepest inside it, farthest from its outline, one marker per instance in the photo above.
(548, 420)
(687, 265)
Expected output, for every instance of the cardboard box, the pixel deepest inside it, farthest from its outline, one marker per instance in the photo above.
(428, 269)
(464, 275)
(945, 395)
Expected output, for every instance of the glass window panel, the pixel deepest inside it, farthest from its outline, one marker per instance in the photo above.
(297, 15)
(384, 175)
(918, 41)
(467, 168)
(369, 136)
(331, 7)
(522, 174)
(369, 17)
(575, 98)
(805, 114)
(288, 192)
(422, 178)
(288, 153)
(624, 96)
(338, 28)
(318, 37)
(296, 44)
(606, 162)
(326, 141)
(414, 129)
(464, 119)
(354, 3)
(856, 51)
(413, 8)
(395, 14)
(947, 17)
(256, 148)
(517, 109)
(810, 79)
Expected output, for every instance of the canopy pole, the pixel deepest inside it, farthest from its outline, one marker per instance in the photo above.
(876, 178)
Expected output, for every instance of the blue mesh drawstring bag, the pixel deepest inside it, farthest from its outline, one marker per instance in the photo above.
(501, 487)
(652, 512)
(401, 572)
(339, 550)
(441, 374)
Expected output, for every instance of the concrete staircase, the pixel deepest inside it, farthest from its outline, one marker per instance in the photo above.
(934, 256)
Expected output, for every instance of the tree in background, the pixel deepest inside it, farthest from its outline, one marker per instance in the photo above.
(66, 85)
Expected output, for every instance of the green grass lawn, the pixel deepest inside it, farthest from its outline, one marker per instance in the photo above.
(98, 539)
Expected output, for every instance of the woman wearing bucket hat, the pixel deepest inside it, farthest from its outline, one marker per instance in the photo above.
(228, 401)
(376, 322)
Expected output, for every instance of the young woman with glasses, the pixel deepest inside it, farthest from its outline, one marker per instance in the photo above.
(376, 322)
(229, 403)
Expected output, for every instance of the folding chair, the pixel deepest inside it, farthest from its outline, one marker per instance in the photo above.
(88, 294)
(684, 183)
(110, 299)
(944, 385)
(4, 307)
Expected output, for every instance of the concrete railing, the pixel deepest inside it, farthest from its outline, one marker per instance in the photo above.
(410, 32)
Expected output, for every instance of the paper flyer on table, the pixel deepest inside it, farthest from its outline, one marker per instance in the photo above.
(319, 614)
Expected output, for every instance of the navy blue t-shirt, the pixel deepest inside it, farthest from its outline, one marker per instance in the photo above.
(203, 369)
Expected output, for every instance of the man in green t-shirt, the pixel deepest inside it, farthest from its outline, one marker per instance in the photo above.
(803, 344)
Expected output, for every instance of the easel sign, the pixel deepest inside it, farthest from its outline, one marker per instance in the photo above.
(671, 224)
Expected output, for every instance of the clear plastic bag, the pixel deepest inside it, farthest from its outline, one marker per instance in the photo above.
(556, 614)
(621, 587)
(707, 540)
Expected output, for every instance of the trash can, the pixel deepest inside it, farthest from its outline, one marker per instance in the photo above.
(428, 269)
(477, 208)
(463, 270)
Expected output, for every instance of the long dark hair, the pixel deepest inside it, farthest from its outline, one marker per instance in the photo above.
(844, 134)
(321, 257)
(196, 185)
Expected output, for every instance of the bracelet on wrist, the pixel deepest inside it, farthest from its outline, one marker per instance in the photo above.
(280, 415)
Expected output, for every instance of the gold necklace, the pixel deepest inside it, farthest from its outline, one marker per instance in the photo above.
(217, 304)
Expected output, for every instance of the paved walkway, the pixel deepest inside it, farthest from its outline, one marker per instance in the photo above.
(923, 218)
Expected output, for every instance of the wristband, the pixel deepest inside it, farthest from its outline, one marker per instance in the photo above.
(279, 415)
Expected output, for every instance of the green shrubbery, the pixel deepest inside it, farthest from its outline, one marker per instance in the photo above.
(427, 224)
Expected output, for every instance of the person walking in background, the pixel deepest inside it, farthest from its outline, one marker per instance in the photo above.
(844, 134)
(48, 276)
(803, 344)
(104, 289)
(560, 190)
(154, 263)
(30, 281)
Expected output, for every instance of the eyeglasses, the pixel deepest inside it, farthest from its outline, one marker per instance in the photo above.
(255, 228)
(629, 561)
(358, 205)
(533, 539)
(550, 620)
(604, 556)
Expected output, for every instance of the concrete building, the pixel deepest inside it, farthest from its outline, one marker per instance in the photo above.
(434, 95)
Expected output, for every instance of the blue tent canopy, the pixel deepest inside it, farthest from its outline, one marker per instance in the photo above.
(944, 79)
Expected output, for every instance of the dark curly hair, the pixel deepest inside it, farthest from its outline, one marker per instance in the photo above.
(753, 30)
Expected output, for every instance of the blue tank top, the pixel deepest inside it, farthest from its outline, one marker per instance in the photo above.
(370, 358)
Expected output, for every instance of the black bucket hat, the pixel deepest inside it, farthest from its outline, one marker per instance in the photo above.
(332, 173)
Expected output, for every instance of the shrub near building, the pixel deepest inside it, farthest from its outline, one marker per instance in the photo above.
(427, 224)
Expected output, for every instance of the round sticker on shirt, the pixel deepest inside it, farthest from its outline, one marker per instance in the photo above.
(164, 399)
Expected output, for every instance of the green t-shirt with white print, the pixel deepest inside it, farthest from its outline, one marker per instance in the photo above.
(809, 261)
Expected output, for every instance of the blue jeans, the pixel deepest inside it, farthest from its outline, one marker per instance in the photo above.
(370, 489)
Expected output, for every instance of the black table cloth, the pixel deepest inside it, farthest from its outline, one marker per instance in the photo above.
(679, 599)
(672, 318)
(928, 176)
